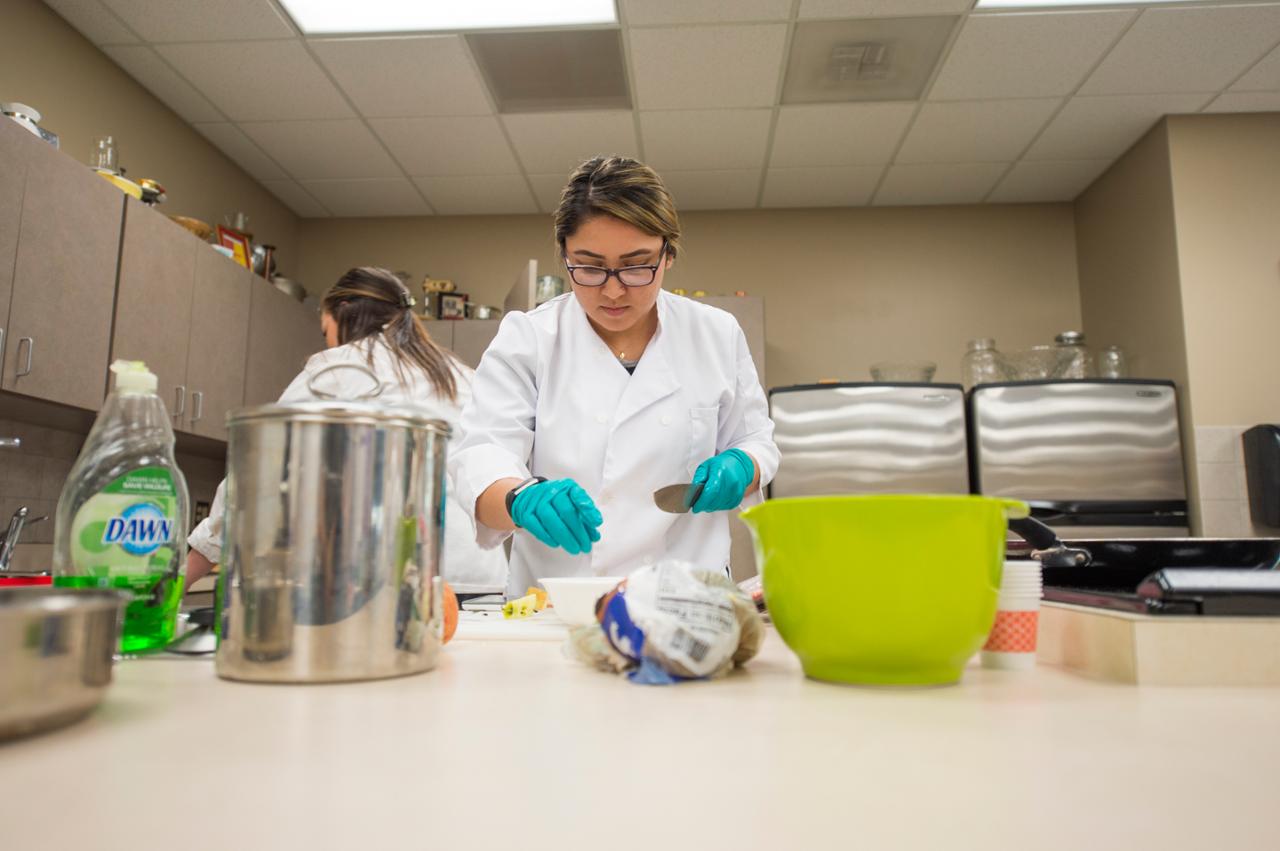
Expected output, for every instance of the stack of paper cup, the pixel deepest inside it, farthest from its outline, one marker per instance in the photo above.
(1012, 642)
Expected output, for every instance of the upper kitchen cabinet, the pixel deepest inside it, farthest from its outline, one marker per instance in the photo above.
(219, 343)
(13, 173)
(282, 335)
(441, 331)
(64, 279)
(471, 337)
(153, 307)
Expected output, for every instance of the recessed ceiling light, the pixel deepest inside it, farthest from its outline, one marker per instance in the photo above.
(315, 17)
(1033, 4)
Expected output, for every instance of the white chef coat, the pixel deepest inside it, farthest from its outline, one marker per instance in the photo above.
(466, 565)
(550, 399)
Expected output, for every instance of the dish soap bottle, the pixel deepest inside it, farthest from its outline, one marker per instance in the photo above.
(122, 518)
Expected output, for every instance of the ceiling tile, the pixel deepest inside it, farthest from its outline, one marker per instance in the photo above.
(878, 8)
(323, 150)
(466, 196)
(706, 139)
(393, 196)
(707, 67)
(551, 143)
(839, 134)
(95, 21)
(1096, 128)
(207, 20)
(641, 13)
(547, 189)
(433, 75)
(966, 183)
(447, 146)
(296, 198)
(1265, 76)
(1186, 50)
(1047, 181)
(975, 131)
(259, 80)
(242, 151)
(849, 186)
(1034, 55)
(721, 189)
(146, 66)
(1245, 102)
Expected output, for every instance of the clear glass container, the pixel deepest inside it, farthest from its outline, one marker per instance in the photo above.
(1078, 359)
(103, 156)
(982, 364)
(1112, 363)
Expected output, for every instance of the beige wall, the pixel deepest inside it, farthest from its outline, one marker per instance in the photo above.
(1226, 200)
(82, 94)
(842, 288)
(1127, 246)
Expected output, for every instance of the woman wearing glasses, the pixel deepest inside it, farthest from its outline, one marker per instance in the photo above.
(585, 406)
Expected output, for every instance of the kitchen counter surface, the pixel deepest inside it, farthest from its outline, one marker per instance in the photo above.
(509, 745)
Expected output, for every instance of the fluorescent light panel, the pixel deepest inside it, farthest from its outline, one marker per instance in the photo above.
(1041, 4)
(316, 17)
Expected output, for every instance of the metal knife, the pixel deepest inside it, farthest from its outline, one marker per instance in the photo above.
(677, 499)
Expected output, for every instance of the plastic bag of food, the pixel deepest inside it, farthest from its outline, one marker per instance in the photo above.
(670, 622)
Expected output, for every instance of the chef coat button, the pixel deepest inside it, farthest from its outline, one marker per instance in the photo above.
(602, 418)
(666, 420)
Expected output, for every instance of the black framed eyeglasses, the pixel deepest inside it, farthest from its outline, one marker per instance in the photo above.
(628, 276)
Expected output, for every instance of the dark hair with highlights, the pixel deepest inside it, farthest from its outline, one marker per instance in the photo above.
(623, 188)
(367, 301)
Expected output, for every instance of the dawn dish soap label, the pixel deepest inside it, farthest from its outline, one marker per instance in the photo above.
(127, 528)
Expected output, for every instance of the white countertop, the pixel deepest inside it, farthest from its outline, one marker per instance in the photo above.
(509, 745)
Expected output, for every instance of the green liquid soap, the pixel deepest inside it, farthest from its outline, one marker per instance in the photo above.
(121, 521)
(150, 618)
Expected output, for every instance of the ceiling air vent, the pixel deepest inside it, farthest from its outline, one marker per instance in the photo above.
(552, 71)
(864, 60)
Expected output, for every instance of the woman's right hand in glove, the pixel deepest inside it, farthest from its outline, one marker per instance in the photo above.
(558, 513)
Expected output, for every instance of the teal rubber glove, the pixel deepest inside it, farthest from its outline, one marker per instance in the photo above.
(559, 514)
(724, 479)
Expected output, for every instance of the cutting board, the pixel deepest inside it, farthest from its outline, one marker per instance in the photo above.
(1160, 649)
(491, 626)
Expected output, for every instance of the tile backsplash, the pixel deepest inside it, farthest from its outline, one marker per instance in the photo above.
(1224, 489)
(33, 475)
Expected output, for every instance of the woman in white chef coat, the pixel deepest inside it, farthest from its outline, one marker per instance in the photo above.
(369, 326)
(585, 406)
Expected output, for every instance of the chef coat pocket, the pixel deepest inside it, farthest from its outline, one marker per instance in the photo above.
(704, 423)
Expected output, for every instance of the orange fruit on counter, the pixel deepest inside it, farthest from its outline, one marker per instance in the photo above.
(450, 613)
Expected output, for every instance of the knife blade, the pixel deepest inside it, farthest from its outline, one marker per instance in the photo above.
(677, 499)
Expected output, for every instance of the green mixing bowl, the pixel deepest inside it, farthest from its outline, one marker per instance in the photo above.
(882, 590)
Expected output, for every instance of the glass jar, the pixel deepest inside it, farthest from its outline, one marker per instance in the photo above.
(1078, 362)
(103, 155)
(982, 364)
(1112, 363)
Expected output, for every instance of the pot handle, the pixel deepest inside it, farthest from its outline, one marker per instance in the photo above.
(1046, 546)
(378, 386)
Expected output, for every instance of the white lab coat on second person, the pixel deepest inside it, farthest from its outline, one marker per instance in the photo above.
(466, 565)
(550, 399)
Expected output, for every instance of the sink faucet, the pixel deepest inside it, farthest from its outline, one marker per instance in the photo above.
(17, 523)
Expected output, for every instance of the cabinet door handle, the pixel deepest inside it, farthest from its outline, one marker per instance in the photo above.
(179, 401)
(198, 399)
(25, 369)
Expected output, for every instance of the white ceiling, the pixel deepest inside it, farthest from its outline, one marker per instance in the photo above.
(1023, 107)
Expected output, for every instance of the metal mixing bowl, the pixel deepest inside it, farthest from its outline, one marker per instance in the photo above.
(57, 646)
